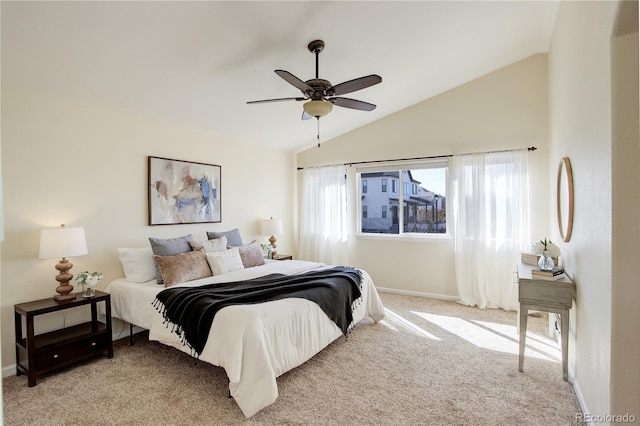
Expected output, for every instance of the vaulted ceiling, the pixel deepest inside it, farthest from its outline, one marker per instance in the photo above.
(196, 64)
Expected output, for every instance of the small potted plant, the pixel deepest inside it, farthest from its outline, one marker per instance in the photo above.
(88, 281)
(547, 250)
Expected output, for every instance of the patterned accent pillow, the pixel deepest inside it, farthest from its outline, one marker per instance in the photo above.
(222, 262)
(233, 237)
(183, 267)
(169, 247)
(209, 246)
(251, 254)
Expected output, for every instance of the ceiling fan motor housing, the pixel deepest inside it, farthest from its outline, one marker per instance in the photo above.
(320, 87)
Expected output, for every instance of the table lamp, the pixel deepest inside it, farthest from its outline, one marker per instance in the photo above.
(271, 227)
(60, 243)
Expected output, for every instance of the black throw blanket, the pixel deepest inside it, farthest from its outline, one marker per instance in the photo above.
(192, 309)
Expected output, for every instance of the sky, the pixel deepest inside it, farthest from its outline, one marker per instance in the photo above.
(431, 179)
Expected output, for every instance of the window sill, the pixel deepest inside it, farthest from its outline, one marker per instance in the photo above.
(418, 238)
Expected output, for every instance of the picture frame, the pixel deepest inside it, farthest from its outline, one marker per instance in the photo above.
(564, 199)
(183, 192)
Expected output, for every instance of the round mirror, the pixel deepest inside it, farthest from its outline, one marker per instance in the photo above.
(564, 200)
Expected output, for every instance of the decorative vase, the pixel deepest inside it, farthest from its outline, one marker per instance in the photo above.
(546, 262)
(88, 291)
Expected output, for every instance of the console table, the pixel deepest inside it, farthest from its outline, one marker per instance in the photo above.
(546, 296)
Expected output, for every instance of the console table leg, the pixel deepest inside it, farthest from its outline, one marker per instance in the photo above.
(564, 334)
(523, 334)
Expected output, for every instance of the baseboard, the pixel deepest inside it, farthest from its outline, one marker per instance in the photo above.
(419, 294)
(579, 394)
(9, 371)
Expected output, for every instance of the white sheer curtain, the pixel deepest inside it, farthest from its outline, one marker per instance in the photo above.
(323, 219)
(490, 194)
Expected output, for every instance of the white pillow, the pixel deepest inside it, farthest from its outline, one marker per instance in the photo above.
(222, 262)
(138, 264)
(216, 244)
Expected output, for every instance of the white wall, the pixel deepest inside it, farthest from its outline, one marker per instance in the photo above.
(83, 165)
(580, 85)
(506, 109)
(625, 250)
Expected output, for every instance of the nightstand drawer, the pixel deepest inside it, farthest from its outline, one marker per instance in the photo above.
(55, 357)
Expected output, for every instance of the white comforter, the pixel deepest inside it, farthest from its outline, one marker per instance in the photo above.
(253, 343)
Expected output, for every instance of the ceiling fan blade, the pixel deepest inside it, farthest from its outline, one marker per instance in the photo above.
(355, 84)
(306, 116)
(352, 103)
(294, 81)
(276, 100)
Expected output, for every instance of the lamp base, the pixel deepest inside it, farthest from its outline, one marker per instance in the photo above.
(64, 292)
(63, 297)
(273, 240)
(64, 289)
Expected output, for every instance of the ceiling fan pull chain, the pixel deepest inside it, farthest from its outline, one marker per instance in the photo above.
(318, 137)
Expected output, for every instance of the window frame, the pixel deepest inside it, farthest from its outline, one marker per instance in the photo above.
(399, 167)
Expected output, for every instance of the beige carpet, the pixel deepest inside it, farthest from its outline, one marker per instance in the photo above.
(430, 362)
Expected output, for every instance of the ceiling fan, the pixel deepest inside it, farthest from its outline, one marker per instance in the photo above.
(320, 94)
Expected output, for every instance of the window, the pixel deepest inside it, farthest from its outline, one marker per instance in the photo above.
(364, 186)
(421, 207)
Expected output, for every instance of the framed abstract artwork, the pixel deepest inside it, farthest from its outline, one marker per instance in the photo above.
(183, 192)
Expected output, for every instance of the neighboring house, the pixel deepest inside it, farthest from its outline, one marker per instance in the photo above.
(380, 194)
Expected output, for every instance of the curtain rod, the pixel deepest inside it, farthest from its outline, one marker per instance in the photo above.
(433, 157)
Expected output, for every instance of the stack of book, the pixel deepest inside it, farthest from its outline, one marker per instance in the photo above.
(555, 274)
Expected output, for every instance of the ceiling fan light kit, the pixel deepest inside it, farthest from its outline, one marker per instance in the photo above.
(320, 94)
(317, 108)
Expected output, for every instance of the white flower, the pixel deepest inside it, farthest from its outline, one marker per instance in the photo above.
(546, 246)
(89, 279)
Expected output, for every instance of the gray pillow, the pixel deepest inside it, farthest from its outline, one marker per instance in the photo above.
(169, 247)
(233, 237)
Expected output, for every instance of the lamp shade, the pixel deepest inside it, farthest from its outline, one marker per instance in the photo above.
(271, 227)
(318, 108)
(62, 242)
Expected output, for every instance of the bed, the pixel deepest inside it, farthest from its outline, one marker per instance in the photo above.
(254, 343)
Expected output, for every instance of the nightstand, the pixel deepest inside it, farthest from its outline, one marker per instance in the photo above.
(283, 257)
(42, 353)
